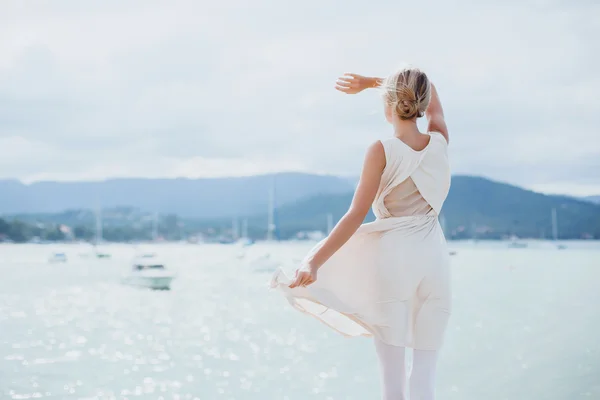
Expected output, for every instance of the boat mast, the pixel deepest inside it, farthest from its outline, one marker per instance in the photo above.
(271, 215)
(155, 227)
(98, 237)
(234, 229)
(245, 228)
(554, 225)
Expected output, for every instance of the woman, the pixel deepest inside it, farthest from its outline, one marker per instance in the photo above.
(390, 278)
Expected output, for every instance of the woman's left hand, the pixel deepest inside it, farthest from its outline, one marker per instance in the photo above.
(305, 276)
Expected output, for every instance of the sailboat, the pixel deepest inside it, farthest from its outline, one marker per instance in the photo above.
(271, 223)
(559, 246)
(98, 237)
(242, 240)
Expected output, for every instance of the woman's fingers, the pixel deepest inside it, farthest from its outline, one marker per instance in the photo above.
(346, 83)
(302, 279)
(346, 80)
(298, 281)
(349, 84)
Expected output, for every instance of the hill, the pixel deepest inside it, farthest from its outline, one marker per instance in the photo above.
(475, 207)
(592, 199)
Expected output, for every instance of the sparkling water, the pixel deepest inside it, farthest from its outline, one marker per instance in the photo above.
(524, 326)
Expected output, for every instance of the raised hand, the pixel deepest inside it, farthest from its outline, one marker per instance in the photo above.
(353, 83)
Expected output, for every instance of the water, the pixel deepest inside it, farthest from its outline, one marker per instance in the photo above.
(525, 326)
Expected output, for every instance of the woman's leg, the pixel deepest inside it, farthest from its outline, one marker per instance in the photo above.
(422, 377)
(392, 363)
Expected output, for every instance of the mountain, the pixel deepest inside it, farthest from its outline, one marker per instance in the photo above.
(592, 199)
(215, 197)
(474, 207)
(509, 209)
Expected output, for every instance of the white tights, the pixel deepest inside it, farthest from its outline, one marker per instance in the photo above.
(392, 360)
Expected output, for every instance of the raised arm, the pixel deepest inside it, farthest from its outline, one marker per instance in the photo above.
(435, 115)
(353, 83)
(354, 217)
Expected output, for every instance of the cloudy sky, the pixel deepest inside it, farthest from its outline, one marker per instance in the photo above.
(112, 88)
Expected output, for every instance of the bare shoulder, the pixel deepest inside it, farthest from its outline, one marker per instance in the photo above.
(375, 157)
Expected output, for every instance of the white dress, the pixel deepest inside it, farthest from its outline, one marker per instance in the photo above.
(391, 279)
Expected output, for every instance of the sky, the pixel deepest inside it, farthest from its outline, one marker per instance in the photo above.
(192, 88)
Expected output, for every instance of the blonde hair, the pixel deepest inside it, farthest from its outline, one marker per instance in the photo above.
(408, 92)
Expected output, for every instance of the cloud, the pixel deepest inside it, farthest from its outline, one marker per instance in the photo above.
(198, 88)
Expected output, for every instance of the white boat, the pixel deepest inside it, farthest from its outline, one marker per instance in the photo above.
(244, 242)
(57, 258)
(98, 237)
(516, 243)
(149, 272)
(271, 237)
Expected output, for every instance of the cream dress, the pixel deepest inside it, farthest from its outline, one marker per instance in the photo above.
(391, 279)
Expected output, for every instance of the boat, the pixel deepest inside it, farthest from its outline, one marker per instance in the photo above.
(271, 227)
(242, 240)
(245, 240)
(516, 243)
(57, 258)
(559, 246)
(149, 271)
(98, 236)
(242, 245)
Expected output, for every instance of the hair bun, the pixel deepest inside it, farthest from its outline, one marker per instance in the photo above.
(408, 92)
(407, 109)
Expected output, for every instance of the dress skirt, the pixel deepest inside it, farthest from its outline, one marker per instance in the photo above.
(391, 280)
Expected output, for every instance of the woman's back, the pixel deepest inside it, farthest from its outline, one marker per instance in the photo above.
(413, 182)
(406, 200)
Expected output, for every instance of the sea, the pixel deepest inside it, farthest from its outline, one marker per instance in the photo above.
(525, 326)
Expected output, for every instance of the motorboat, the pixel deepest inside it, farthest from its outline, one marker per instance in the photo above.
(516, 243)
(149, 271)
(57, 258)
(100, 254)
